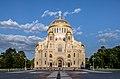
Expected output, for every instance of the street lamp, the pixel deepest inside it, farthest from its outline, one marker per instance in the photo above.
(25, 63)
(93, 62)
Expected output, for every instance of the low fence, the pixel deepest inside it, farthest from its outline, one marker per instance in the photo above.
(14, 69)
(57, 68)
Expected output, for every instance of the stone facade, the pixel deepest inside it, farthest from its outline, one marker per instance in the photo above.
(59, 49)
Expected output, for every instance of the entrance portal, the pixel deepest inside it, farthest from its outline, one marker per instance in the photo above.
(59, 63)
(68, 64)
(50, 64)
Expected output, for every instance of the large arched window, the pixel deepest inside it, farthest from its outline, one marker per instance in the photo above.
(68, 37)
(69, 55)
(45, 54)
(50, 55)
(59, 48)
(74, 54)
(37, 62)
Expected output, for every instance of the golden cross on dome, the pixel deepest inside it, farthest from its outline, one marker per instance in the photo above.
(60, 13)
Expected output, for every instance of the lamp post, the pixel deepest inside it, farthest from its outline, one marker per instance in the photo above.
(93, 62)
(25, 63)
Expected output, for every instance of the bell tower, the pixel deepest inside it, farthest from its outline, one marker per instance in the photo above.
(68, 36)
(51, 36)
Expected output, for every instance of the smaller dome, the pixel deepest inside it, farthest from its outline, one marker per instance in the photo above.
(68, 32)
(51, 32)
(82, 45)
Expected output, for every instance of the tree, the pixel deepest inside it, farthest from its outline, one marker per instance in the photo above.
(107, 57)
(87, 63)
(19, 61)
(32, 63)
(12, 59)
(8, 58)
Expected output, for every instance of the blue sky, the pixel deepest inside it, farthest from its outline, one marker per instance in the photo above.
(24, 22)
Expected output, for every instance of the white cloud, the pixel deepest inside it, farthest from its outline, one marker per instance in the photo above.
(48, 13)
(77, 31)
(54, 13)
(109, 30)
(78, 28)
(74, 30)
(19, 42)
(73, 12)
(100, 31)
(33, 27)
(108, 35)
(118, 30)
(66, 13)
(9, 24)
(76, 10)
(102, 40)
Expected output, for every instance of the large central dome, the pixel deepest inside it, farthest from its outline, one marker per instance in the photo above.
(59, 22)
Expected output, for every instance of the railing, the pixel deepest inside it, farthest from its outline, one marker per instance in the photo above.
(57, 68)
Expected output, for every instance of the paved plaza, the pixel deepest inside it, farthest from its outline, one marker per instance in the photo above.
(39, 74)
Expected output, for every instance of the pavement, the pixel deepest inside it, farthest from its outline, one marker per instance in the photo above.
(41, 74)
(53, 75)
(63, 75)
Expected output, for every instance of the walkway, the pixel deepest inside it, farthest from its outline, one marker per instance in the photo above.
(63, 75)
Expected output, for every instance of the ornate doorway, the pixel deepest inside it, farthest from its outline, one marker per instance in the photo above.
(69, 64)
(50, 64)
(59, 63)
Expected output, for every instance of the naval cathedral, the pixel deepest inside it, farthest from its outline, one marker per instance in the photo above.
(59, 49)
